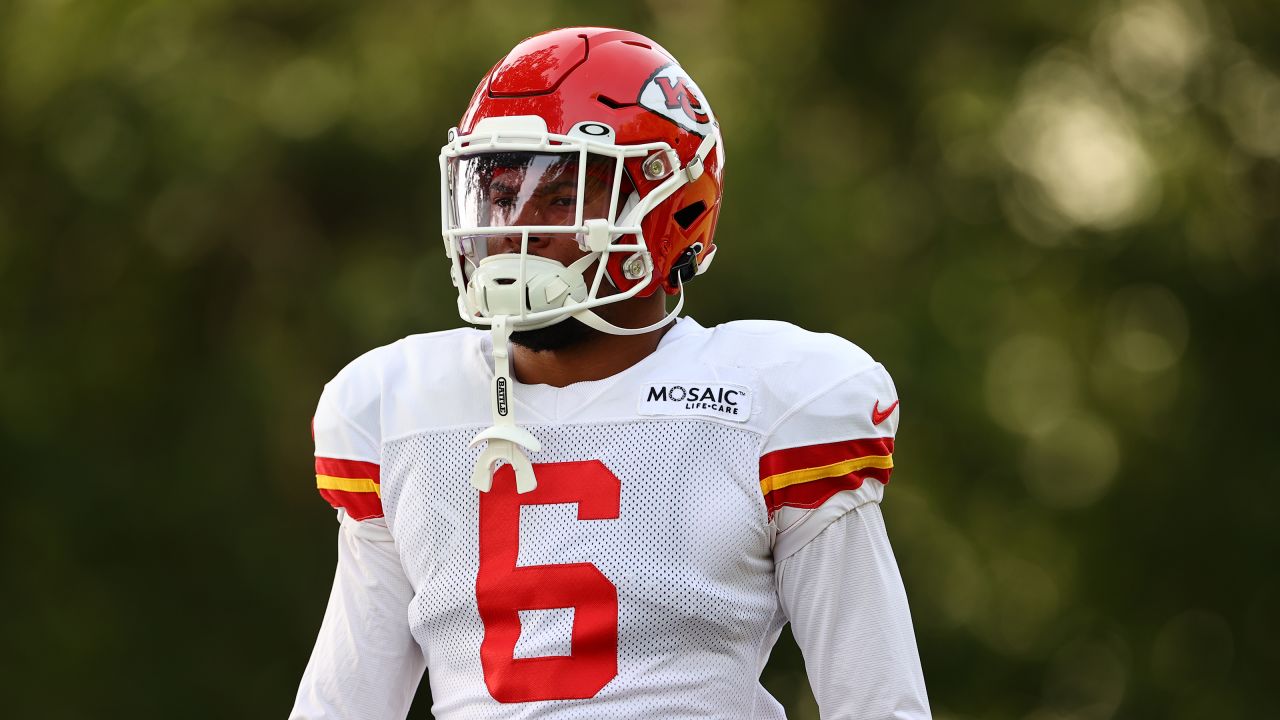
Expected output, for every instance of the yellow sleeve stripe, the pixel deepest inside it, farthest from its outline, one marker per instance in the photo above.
(795, 477)
(329, 482)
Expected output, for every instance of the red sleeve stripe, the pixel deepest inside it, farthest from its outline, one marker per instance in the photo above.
(779, 462)
(354, 469)
(360, 506)
(812, 494)
(806, 477)
(351, 485)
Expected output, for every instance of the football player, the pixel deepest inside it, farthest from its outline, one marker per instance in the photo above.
(591, 507)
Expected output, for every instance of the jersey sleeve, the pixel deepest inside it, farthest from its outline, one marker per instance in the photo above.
(830, 453)
(848, 610)
(366, 664)
(347, 429)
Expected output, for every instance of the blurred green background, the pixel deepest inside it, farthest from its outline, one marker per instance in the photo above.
(1057, 223)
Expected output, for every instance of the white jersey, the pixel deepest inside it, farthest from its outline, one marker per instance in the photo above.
(677, 524)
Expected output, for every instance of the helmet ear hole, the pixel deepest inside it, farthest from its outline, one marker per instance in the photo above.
(689, 214)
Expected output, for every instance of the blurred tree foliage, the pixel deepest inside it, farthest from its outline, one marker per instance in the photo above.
(1058, 224)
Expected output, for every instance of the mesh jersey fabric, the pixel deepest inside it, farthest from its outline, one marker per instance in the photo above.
(692, 549)
(697, 612)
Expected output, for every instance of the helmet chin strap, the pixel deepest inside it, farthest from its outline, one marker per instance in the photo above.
(595, 322)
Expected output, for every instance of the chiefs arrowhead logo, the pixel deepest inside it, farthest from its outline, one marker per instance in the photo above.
(671, 93)
(878, 417)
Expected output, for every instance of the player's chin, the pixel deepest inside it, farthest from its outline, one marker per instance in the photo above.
(562, 335)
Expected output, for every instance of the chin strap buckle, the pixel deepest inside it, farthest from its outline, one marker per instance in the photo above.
(506, 441)
(693, 170)
(685, 268)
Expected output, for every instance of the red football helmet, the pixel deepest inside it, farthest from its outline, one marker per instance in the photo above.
(589, 133)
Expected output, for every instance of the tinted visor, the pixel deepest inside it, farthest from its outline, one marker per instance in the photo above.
(549, 194)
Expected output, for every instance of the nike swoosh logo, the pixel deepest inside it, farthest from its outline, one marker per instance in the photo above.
(878, 417)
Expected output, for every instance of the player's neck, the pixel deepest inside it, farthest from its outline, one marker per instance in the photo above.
(597, 356)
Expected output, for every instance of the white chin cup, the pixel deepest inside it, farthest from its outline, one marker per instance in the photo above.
(495, 288)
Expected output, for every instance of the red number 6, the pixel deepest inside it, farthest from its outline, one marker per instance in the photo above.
(502, 589)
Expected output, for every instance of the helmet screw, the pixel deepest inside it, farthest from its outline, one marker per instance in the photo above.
(656, 166)
(634, 269)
